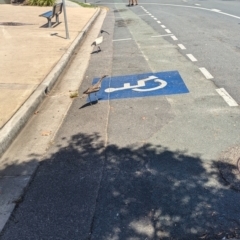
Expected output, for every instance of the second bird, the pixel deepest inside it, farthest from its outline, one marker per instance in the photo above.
(99, 40)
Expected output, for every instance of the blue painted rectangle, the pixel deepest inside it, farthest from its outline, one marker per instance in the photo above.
(141, 85)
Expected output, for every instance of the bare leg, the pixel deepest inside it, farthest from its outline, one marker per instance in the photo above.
(130, 3)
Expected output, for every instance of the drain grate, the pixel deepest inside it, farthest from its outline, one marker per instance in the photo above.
(14, 24)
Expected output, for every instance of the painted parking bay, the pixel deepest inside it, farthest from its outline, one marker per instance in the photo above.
(141, 85)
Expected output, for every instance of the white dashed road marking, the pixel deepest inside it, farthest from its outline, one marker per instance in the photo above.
(181, 46)
(191, 57)
(229, 100)
(221, 91)
(174, 38)
(206, 73)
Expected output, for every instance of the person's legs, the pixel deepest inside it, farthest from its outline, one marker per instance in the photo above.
(130, 3)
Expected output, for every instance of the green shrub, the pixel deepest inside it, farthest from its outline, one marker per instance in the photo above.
(41, 2)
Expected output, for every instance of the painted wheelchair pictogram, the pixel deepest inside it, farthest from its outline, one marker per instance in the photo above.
(140, 83)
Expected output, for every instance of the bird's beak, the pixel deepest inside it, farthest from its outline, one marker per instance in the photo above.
(102, 31)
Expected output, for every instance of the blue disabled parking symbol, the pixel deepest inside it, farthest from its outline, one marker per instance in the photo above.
(141, 85)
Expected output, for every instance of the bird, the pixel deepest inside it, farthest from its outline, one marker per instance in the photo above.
(99, 40)
(94, 88)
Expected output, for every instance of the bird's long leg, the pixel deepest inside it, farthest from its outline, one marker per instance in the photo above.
(90, 99)
(99, 49)
(96, 96)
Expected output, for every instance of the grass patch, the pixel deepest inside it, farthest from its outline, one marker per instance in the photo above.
(87, 5)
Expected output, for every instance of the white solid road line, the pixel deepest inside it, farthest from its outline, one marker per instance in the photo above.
(191, 57)
(215, 10)
(174, 38)
(181, 46)
(230, 15)
(124, 39)
(229, 100)
(164, 35)
(206, 73)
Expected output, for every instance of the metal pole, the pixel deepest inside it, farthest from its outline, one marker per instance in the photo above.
(65, 19)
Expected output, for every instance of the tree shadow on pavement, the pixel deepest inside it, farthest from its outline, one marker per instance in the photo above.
(85, 190)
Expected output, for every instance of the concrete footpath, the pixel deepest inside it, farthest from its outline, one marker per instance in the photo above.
(32, 58)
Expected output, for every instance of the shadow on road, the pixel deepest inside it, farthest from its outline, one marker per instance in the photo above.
(85, 190)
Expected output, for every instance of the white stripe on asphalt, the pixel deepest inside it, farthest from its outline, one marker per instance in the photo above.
(163, 26)
(191, 57)
(230, 15)
(164, 35)
(229, 100)
(206, 73)
(124, 39)
(158, 22)
(174, 38)
(215, 10)
(181, 46)
(167, 30)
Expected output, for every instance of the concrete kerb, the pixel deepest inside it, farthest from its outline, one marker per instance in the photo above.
(17, 122)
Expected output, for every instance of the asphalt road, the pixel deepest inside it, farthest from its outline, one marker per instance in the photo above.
(146, 167)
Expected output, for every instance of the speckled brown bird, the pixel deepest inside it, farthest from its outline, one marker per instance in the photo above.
(94, 88)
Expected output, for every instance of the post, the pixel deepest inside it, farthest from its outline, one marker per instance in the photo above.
(65, 19)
